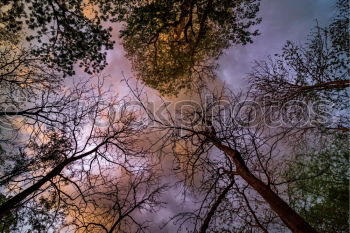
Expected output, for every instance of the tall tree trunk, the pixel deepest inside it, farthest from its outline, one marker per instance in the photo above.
(292, 220)
(16, 200)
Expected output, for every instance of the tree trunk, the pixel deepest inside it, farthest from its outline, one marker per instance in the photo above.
(331, 85)
(292, 220)
(20, 197)
(16, 200)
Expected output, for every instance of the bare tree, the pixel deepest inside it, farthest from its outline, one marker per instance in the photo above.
(112, 202)
(310, 73)
(212, 124)
(60, 139)
(73, 139)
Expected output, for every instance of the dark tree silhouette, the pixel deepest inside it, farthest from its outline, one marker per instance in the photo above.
(69, 138)
(54, 138)
(315, 72)
(212, 124)
(62, 32)
(111, 202)
(74, 157)
(174, 43)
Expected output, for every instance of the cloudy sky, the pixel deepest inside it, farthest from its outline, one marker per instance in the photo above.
(282, 20)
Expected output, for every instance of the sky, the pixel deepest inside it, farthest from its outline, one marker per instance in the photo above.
(282, 20)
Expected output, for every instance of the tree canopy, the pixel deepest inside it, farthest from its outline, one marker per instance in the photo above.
(315, 72)
(62, 33)
(321, 185)
(76, 157)
(173, 44)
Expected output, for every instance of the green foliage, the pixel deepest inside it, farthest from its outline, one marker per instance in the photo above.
(171, 43)
(62, 32)
(320, 192)
(174, 43)
(9, 222)
(339, 29)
